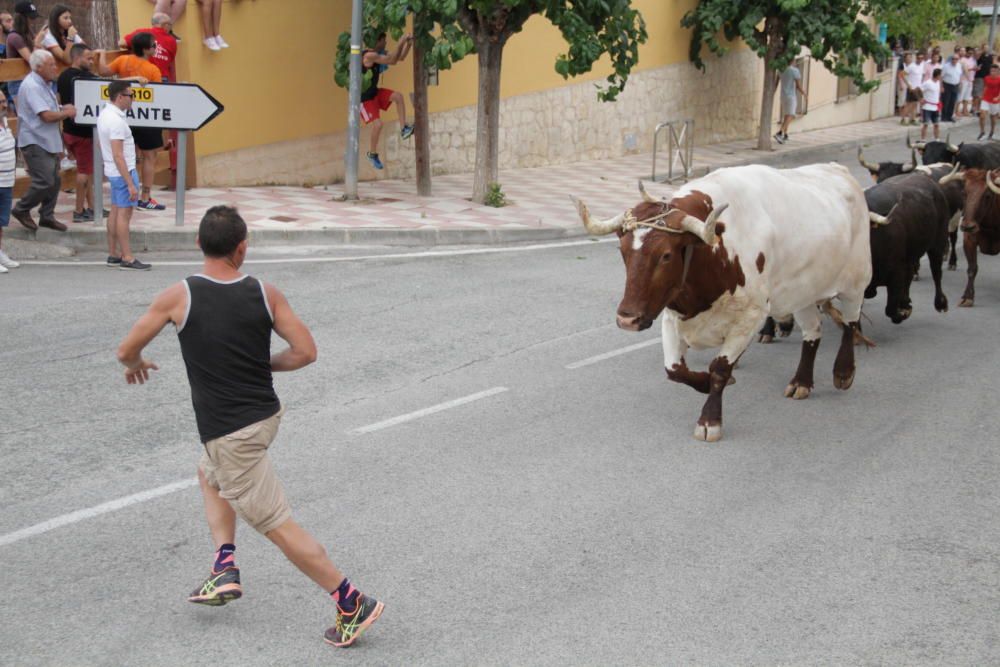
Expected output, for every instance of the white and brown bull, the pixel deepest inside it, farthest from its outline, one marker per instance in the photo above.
(733, 247)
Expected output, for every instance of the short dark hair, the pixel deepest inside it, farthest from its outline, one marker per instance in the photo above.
(116, 88)
(936, 73)
(78, 50)
(141, 42)
(221, 231)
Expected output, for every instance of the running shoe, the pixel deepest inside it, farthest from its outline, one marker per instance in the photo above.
(350, 626)
(113, 262)
(90, 212)
(219, 588)
(6, 262)
(150, 205)
(82, 217)
(406, 132)
(373, 158)
(779, 138)
(134, 265)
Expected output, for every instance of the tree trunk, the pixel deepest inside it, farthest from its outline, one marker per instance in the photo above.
(487, 117)
(775, 45)
(421, 123)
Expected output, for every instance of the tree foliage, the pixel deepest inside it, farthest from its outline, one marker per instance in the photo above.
(830, 29)
(926, 20)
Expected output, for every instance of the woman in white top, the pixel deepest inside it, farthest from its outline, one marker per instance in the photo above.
(7, 143)
(60, 34)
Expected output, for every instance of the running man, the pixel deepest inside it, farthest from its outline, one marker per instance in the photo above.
(375, 100)
(224, 320)
(790, 82)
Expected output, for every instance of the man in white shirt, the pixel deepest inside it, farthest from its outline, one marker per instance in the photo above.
(951, 77)
(911, 76)
(118, 154)
(931, 90)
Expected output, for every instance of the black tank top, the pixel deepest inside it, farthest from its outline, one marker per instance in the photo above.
(371, 91)
(226, 344)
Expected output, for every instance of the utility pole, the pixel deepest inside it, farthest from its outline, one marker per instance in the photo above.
(353, 122)
(993, 24)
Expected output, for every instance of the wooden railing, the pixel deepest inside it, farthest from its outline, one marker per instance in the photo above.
(15, 69)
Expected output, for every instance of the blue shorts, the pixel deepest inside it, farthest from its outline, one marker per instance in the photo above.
(931, 116)
(6, 199)
(119, 190)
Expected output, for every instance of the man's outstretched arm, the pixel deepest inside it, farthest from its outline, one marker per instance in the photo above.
(164, 309)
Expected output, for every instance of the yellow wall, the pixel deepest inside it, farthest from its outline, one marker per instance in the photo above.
(276, 79)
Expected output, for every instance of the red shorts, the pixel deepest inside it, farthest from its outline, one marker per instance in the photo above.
(82, 150)
(373, 108)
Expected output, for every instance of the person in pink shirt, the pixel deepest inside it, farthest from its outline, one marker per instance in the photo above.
(931, 64)
(969, 67)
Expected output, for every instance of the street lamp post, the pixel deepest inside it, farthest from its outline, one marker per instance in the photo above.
(993, 24)
(353, 125)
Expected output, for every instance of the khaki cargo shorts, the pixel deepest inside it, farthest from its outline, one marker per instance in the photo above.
(238, 466)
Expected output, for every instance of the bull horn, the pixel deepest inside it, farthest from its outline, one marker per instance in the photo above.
(645, 195)
(952, 148)
(597, 227)
(867, 165)
(954, 175)
(994, 188)
(881, 219)
(704, 230)
(913, 163)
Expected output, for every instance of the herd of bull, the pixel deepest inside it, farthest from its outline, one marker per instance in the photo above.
(750, 245)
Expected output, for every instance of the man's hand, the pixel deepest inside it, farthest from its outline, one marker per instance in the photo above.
(69, 110)
(139, 374)
(133, 193)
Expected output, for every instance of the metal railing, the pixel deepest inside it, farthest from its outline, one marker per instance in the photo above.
(680, 149)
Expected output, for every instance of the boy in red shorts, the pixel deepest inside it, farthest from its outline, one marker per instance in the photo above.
(991, 99)
(375, 100)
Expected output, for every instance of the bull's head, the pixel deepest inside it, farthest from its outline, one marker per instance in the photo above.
(659, 241)
(880, 171)
(982, 198)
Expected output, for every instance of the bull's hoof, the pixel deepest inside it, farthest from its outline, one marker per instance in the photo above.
(797, 391)
(708, 432)
(766, 339)
(965, 303)
(843, 382)
(941, 305)
(784, 333)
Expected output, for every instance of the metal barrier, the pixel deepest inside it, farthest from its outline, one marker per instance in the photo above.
(680, 148)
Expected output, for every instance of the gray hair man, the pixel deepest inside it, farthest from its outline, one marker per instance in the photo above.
(38, 117)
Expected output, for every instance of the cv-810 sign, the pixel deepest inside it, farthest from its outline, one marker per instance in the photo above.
(169, 106)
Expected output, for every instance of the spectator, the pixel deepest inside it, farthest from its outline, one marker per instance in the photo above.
(951, 77)
(7, 24)
(20, 40)
(374, 100)
(173, 9)
(930, 64)
(789, 81)
(912, 76)
(60, 34)
(990, 105)
(79, 139)
(118, 153)
(7, 161)
(968, 61)
(166, 44)
(985, 62)
(211, 21)
(931, 91)
(38, 118)
(137, 67)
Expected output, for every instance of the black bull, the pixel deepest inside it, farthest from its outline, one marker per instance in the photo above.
(912, 216)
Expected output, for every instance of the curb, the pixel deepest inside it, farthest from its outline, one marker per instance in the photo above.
(184, 239)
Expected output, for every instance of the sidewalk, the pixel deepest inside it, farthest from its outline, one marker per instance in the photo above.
(391, 213)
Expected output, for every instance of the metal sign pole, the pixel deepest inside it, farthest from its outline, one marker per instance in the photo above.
(98, 181)
(181, 184)
(354, 106)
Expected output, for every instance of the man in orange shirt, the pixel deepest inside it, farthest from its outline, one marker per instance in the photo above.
(137, 67)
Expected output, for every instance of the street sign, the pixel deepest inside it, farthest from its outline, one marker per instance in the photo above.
(168, 106)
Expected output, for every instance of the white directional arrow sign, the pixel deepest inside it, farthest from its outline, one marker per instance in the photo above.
(169, 106)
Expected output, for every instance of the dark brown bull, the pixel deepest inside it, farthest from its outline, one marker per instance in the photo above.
(980, 222)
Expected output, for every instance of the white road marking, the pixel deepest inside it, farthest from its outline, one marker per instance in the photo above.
(356, 258)
(97, 510)
(612, 354)
(378, 426)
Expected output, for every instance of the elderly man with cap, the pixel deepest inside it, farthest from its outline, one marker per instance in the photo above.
(38, 117)
(951, 77)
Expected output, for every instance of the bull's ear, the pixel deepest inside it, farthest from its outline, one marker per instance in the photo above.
(720, 228)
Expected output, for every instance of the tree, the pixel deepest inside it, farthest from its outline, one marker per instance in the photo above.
(926, 20)
(776, 30)
(591, 28)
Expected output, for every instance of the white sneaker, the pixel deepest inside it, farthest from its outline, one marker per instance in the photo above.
(221, 42)
(3, 269)
(211, 43)
(6, 262)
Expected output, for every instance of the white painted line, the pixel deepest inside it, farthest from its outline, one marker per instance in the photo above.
(97, 510)
(612, 354)
(356, 258)
(378, 426)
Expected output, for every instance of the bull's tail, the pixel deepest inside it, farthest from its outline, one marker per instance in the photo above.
(838, 318)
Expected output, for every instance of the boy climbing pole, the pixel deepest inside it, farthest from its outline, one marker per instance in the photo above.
(375, 100)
